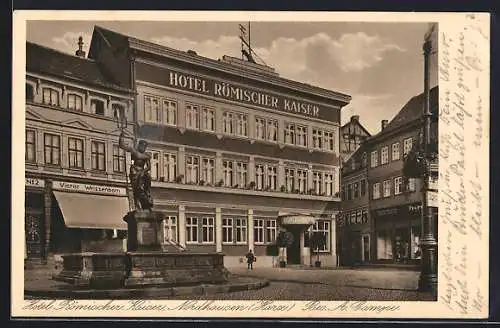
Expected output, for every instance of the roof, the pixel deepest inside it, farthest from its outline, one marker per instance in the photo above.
(49, 61)
(120, 40)
(412, 111)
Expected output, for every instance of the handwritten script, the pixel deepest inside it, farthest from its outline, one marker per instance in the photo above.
(462, 127)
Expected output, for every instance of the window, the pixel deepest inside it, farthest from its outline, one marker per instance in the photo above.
(260, 128)
(30, 145)
(398, 183)
(364, 160)
(151, 109)
(169, 112)
(169, 167)
(52, 149)
(207, 119)
(290, 134)
(384, 155)
(289, 180)
(270, 231)
(241, 125)
(192, 169)
(387, 188)
(395, 151)
(208, 170)
(302, 180)
(30, 94)
(227, 122)
(241, 174)
(228, 173)
(353, 218)
(358, 217)
(258, 231)
(317, 182)
(272, 177)
(408, 144)
(169, 229)
(363, 187)
(259, 176)
(329, 141)
(272, 130)
(192, 117)
(207, 230)
(374, 159)
(349, 191)
(376, 190)
(75, 152)
(118, 159)
(155, 165)
(355, 189)
(97, 106)
(75, 102)
(329, 184)
(98, 156)
(191, 230)
(227, 230)
(241, 231)
(411, 185)
(50, 97)
(301, 136)
(324, 228)
(317, 139)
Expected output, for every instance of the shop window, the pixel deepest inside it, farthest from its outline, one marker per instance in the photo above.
(324, 228)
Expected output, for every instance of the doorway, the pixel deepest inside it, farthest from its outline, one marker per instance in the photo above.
(293, 251)
(365, 245)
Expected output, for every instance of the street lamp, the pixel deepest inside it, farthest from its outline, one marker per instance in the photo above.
(420, 163)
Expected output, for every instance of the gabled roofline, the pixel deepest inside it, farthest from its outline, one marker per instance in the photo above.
(150, 47)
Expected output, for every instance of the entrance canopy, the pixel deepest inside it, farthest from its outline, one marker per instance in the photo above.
(297, 220)
(92, 211)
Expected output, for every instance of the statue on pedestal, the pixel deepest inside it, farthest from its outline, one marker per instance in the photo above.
(139, 175)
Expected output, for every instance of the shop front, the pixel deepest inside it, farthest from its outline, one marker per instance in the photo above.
(397, 233)
(34, 219)
(88, 217)
(355, 244)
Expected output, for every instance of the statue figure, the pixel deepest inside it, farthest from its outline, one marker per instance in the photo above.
(139, 175)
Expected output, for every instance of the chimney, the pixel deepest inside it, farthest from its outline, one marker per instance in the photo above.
(384, 124)
(80, 52)
(355, 118)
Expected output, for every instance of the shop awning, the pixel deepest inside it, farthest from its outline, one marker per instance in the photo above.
(297, 220)
(92, 211)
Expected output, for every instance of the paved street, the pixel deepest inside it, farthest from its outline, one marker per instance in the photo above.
(331, 284)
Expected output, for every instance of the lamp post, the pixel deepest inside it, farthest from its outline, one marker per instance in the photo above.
(421, 163)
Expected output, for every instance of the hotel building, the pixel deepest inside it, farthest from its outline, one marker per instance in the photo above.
(238, 152)
(75, 189)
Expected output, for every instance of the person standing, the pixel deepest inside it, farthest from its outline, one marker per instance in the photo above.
(250, 259)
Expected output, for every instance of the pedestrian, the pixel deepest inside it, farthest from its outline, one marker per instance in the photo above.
(250, 259)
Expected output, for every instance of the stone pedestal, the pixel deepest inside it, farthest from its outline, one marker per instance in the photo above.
(144, 231)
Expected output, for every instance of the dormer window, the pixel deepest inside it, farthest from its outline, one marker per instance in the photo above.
(97, 106)
(30, 94)
(50, 97)
(75, 102)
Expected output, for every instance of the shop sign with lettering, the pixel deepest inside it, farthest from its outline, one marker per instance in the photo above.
(34, 183)
(399, 211)
(89, 188)
(229, 91)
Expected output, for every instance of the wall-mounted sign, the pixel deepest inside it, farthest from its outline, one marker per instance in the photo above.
(34, 183)
(229, 91)
(297, 219)
(89, 188)
(399, 212)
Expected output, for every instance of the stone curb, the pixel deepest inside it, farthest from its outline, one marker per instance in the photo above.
(152, 293)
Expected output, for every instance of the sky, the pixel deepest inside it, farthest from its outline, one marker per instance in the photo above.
(379, 64)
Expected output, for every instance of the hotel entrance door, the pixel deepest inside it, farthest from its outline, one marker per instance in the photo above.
(293, 251)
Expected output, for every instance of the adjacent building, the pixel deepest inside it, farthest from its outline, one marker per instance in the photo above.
(237, 151)
(76, 192)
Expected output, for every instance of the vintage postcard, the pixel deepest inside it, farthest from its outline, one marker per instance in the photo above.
(250, 164)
